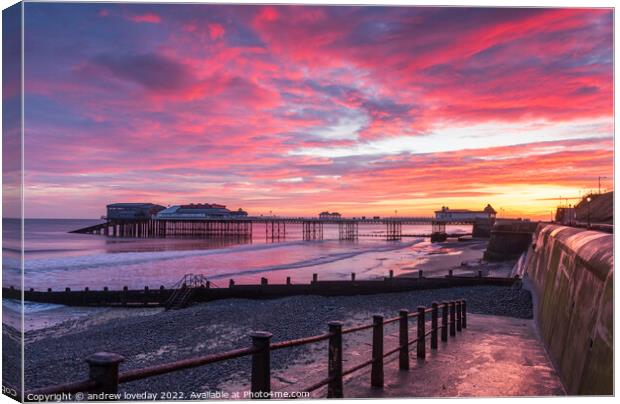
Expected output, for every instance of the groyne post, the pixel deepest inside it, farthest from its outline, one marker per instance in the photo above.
(444, 321)
(452, 319)
(450, 273)
(458, 316)
(334, 360)
(421, 346)
(264, 281)
(261, 366)
(376, 373)
(315, 278)
(162, 294)
(434, 325)
(353, 276)
(288, 280)
(464, 313)
(391, 273)
(231, 283)
(103, 369)
(403, 340)
(420, 274)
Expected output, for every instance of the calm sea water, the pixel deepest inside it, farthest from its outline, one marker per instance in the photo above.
(55, 258)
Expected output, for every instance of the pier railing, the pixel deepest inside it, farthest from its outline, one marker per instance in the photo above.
(105, 377)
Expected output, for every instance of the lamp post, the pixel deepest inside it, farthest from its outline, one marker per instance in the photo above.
(588, 199)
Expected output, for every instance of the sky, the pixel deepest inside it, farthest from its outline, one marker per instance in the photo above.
(295, 109)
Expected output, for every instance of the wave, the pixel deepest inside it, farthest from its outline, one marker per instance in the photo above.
(326, 259)
(132, 258)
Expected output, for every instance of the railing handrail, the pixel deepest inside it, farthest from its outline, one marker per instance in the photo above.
(150, 371)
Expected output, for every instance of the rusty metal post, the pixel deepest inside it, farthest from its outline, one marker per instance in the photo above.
(261, 367)
(444, 321)
(103, 369)
(376, 373)
(458, 316)
(452, 319)
(464, 313)
(434, 326)
(334, 360)
(403, 340)
(421, 347)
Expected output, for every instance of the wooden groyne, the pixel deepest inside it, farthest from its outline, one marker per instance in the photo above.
(204, 293)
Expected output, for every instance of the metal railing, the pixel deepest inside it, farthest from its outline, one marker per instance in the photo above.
(104, 375)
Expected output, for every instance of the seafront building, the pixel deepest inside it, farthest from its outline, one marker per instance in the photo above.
(132, 211)
(488, 213)
(327, 215)
(200, 211)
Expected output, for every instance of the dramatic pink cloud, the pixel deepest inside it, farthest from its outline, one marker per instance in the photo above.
(299, 109)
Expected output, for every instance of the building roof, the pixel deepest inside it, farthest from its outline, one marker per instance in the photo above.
(130, 205)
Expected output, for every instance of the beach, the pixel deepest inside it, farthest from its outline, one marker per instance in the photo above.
(55, 352)
(56, 355)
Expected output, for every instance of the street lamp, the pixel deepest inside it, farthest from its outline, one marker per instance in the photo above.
(588, 199)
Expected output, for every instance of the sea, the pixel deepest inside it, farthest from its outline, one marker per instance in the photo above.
(55, 258)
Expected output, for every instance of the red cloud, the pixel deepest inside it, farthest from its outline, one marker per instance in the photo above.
(216, 30)
(151, 18)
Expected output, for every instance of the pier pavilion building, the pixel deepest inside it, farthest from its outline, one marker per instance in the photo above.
(200, 211)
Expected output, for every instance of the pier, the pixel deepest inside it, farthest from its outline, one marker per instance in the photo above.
(275, 227)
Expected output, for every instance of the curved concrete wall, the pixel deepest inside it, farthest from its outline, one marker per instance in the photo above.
(571, 271)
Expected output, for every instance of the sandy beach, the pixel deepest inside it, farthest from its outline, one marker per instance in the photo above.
(462, 257)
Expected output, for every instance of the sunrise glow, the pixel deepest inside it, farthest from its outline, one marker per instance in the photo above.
(297, 110)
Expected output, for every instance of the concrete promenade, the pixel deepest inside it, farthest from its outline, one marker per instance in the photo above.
(494, 356)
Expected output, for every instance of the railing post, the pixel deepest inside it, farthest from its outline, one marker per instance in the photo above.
(421, 346)
(334, 364)
(444, 322)
(261, 367)
(376, 374)
(464, 312)
(403, 340)
(434, 326)
(458, 316)
(452, 320)
(103, 369)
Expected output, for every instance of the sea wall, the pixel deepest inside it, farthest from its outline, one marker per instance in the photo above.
(509, 239)
(571, 273)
